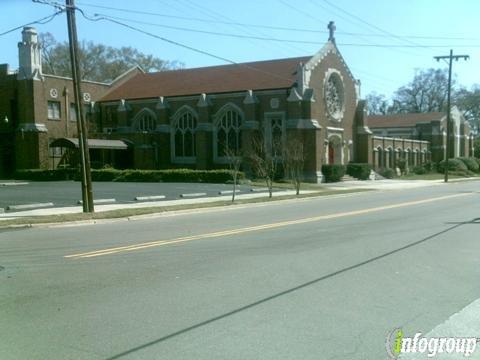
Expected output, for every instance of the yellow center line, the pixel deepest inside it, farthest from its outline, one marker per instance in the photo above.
(150, 244)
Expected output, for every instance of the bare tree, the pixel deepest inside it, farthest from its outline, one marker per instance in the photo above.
(293, 161)
(235, 162)
(264, 161)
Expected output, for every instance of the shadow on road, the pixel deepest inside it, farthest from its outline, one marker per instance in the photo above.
(288, 291)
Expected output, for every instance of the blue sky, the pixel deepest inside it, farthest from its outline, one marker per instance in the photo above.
(436, 24)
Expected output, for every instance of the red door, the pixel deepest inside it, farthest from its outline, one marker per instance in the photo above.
(331, 154)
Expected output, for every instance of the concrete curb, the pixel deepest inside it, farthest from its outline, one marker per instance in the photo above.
(192, 195)
(99, 201)
(30, 206)
(152, 197)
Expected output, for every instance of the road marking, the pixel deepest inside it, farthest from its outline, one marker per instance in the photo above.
(114, 250)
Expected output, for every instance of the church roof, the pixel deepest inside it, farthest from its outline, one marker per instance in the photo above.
(402, 120)
(259, 75)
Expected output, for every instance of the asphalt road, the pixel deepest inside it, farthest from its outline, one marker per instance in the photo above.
(67, 193)
(322, 278)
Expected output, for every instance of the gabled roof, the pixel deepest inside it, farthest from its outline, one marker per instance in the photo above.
(402, 120)
(259, 75)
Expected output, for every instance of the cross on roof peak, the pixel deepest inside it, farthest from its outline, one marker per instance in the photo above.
(331, 27)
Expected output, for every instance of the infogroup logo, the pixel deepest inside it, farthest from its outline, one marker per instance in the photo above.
(396, 344)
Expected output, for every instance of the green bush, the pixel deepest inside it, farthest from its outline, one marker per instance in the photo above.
(471, 163)
(333, 173)
(402, 165)
(45, 175)
(359, 170)
(174, 175)
(419, 170)
(387, 173)
(453, 165)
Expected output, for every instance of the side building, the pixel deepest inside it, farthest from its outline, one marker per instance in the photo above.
(37, 108)
(431, 127)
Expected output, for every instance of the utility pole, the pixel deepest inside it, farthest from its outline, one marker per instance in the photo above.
(87, 191)
(449, 125)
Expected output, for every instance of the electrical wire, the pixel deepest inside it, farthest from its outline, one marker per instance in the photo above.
(176, 43)
(281, 28)
(42, 21)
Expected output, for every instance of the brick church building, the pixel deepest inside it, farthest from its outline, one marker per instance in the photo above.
(190, 117)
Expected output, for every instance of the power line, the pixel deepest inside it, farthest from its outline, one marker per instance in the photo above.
(43, 20)
(280, 40)
(373, 26)
(182, 45)
(281, 28)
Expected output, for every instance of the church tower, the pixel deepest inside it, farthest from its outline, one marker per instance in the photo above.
(29, 56)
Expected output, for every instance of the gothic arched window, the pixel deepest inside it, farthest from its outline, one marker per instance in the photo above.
(184, 127)
(145, 120)
(228, 134)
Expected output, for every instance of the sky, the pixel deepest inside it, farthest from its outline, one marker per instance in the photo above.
(382, 41)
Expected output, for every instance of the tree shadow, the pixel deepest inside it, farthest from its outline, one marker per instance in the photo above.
(291, 290)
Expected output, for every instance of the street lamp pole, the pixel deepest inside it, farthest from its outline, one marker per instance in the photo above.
(449, 125)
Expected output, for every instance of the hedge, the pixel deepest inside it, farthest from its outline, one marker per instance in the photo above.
(174, 175)
(419, 170)
(471, 163)
(359, 170)
(333, 173)
(46, 175)
(453, 165)
(387, 173)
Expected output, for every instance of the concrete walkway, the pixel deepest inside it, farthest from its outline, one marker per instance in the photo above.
(378, 185)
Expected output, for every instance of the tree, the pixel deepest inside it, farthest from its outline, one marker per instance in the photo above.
(377, 104)
(235, 162)
(98, 62)
(263, 161)
(426, 93)
(469, 102)
(293, 160)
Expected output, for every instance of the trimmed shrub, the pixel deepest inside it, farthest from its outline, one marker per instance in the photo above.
(471, 163)
(173, 175)
(333, 173)
(453, 165)
(419, 170)
(387, 173)
(402, 165)
(46, 175)
(359, 170)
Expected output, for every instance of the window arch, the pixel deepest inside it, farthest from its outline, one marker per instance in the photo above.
(228, 131)
(145, 120)
(184, 127)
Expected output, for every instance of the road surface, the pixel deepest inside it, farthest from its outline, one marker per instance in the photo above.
(318, 278)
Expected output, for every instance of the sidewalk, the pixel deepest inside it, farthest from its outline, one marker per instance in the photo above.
(376, 185)
(147, 204)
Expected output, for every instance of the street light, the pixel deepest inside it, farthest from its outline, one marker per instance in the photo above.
(5, 120)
